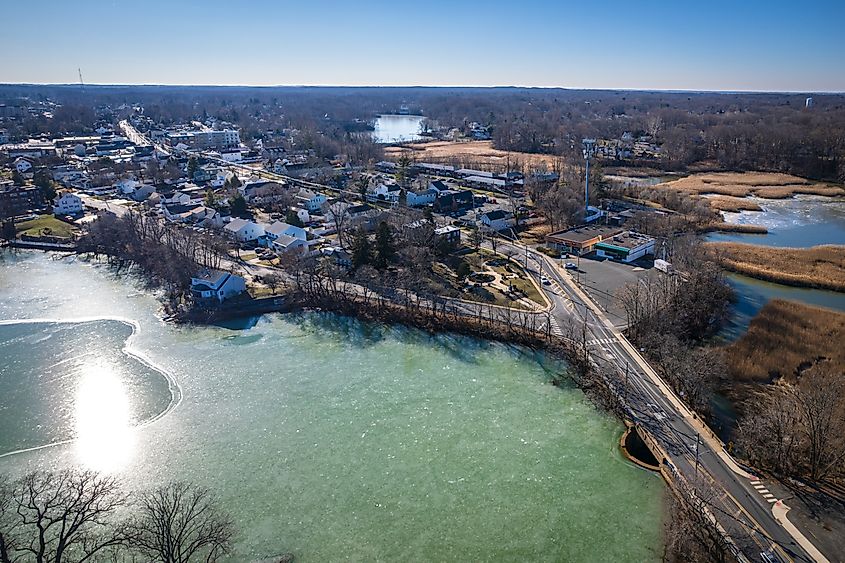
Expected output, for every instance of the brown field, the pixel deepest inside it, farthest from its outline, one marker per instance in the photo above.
(785, 339)
(472, 153)
(819, 266)
(768, 185)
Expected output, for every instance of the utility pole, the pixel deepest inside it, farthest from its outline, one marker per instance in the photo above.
(626, 383)
(697, 442)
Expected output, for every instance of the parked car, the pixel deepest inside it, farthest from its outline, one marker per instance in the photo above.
(545, 280)
(570, 266)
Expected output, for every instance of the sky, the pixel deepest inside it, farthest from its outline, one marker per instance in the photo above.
(737, 45)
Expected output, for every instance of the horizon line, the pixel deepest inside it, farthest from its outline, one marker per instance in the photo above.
(432, 86)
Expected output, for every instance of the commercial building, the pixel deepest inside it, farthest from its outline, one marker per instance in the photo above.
(606, 241)
(581, 240)
(626, 247)
(212, 139)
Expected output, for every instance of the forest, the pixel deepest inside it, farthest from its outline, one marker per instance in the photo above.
(695, 130)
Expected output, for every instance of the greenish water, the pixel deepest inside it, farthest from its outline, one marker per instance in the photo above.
(323, 436)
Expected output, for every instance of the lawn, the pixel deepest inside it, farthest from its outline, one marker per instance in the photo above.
(45, 225)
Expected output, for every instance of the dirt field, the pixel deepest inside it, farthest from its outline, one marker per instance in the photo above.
(786, 338)
(471, 153)
(742, 184)
(819, 266)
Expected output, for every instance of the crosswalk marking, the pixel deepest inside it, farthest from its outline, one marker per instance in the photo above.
(768, 495)
(772, 500)
(597, 341)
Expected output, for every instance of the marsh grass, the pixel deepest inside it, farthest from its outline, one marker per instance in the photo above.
(821, 267)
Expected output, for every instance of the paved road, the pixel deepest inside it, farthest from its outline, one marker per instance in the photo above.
(735, 497)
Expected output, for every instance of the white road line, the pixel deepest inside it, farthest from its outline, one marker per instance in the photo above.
(772, 500)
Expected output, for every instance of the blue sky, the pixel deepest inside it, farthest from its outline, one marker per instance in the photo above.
(645, 44)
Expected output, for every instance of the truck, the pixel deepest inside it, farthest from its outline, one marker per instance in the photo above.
(664, 266)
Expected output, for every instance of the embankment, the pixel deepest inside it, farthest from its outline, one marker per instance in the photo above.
(820, 267)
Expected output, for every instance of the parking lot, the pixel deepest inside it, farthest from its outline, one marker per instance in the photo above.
(603, 278)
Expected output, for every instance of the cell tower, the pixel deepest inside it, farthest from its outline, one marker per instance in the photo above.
(589, 150)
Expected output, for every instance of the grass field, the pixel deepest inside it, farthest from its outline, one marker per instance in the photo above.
(45, 225)
(819, 266)
(786, 338)
(471, 153)
(767, 185)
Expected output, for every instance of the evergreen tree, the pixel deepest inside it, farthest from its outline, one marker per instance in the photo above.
(293, 219)
(237, 206)
(192, 167)
(17, 178)
(361, 254)
(43, 182)
(384, 246)
(210, 200)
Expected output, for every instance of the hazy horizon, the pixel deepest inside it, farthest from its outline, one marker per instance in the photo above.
(413, 86)
(757, 46)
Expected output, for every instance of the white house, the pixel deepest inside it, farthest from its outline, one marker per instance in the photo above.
(312, 201)
(387, 192)
(22, 165)
(424, 197)
(302, 215)
(280, 228)
(243, 230)
(217, 285)
(67, 204)
(285, 243)
(497, 220)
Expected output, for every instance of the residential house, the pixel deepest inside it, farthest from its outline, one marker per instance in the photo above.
(301, 214)
(243, 230)
(193, 213)
(22, 165)
(448, 233)
(17, 200)
(387, 192)
(214, 285)
(285, 243)
(279, 229)
(341, 257)
(498, 219)
(67, 204)
(312, 201)
(262, 192)
(450, 201)
(422, 197)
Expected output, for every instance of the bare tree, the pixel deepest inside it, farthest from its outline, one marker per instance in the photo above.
(822, 409)
(56, 517)
(180, 522)
(273, 281)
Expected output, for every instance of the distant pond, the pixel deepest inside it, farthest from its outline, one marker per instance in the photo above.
(397, 128)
